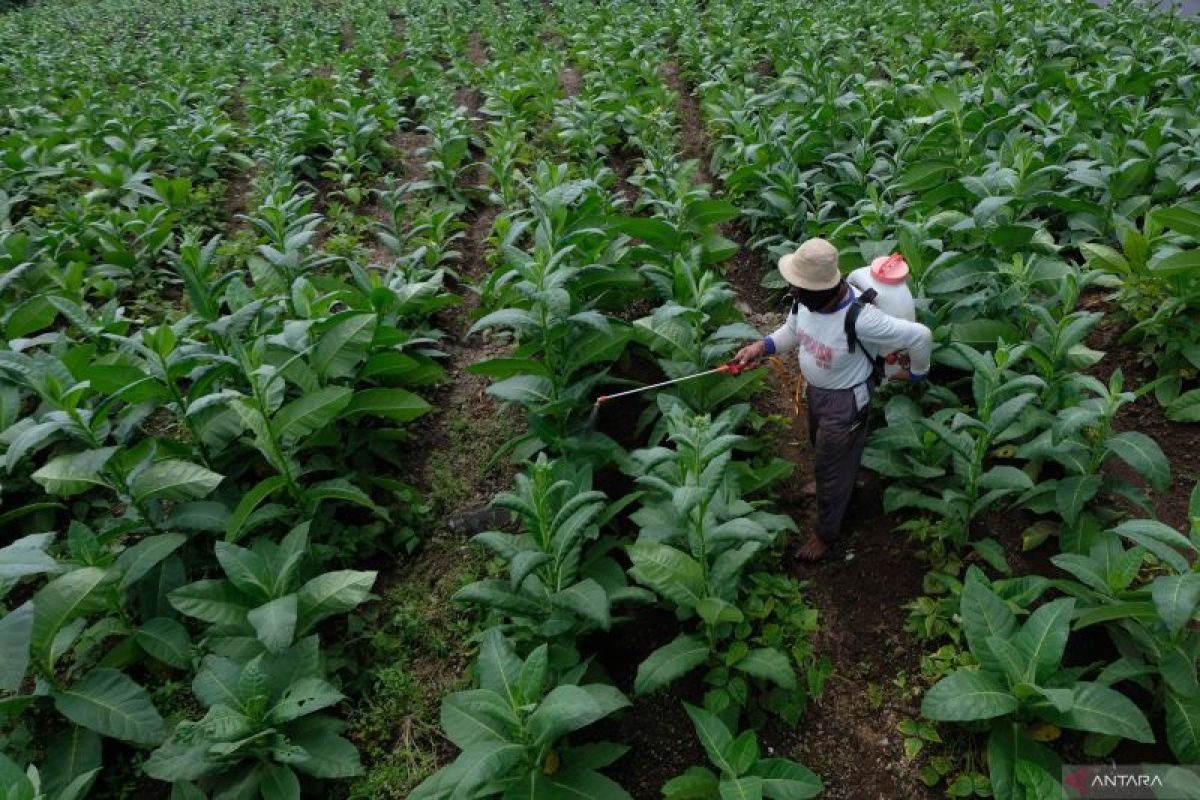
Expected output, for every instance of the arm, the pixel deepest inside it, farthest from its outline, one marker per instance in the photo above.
(781, 341)
(784, 338)
(884, 332)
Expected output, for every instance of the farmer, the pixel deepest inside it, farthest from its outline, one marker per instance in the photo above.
(838, 380)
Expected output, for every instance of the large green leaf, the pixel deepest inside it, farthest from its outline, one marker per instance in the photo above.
(213, 601)
(343, 345)
(569, 708)
(275, 622)
(985, 615)
(332, 593)
(500, 368)
(1162, 540)
(304, 696)
(742, 752)
(1175, 597)
(747, 788)
(668, 571)
(1183, 727)
(1181, 218)
(74, 753)
(1178, 264)
(1185, 407)
(983, 334)
(1043, 639)
(498, 668)
(16, 635)
(174, 479)
(310, 412)
(111, 704)
(167, 640)
(396, 404)
(705, 213)
(65, 598)
(27, 556)
(714, 736)
(74, 473)
(1072, 494)
(279, 783)
(694, 783)
(669, 662)
(216, 683)
(476, 716)
(329, 754)
(580, 784)
(1143, 454)
(523, 389)
(967, 695)
(135, 562)
(1099, 709)
(657, 233)
(768, 664)
(587, 599)
(1008, 746)
(247, 570)
(250, 501)
(787, 780)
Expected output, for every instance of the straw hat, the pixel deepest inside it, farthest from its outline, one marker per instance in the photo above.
(814, 266)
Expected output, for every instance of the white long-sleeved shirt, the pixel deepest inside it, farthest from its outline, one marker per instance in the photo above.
(825, 358)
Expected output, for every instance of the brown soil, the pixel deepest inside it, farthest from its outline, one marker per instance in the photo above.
(745, 270)
(1180, 441)
(656, 727)
(859, 592)
(476, 49)
(476, 246)
(432, 573)
(398, 27)
(622, 162)
(410, 149)
(852, 745)
(237, 191)
(691, 123)
(570, 80)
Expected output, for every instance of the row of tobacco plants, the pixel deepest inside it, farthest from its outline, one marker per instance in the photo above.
(216, 296)
(1023, 157)
(605, 264)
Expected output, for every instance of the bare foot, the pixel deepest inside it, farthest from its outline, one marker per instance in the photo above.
(814, 549)
(809, 489)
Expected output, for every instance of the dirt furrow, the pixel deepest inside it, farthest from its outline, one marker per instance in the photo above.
(846, 737)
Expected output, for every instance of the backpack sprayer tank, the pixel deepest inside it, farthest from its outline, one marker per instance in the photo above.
(888, 276)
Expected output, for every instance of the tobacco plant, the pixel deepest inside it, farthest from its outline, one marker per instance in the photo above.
(741, 771)
(563, 581)
(514, 730)
(1021, 678)
(696, 536)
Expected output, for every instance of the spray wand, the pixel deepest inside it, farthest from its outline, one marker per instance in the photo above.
(732, 368)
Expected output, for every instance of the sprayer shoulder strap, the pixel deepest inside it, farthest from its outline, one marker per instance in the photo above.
(852, 313)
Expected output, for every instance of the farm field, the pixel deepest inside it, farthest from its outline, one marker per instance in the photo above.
(305, 306)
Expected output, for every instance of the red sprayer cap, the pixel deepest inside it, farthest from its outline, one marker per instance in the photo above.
(890, 269)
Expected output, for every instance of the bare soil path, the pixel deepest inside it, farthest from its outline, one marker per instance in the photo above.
(847, 738)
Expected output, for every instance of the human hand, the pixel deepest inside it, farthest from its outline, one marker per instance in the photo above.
(750, 353)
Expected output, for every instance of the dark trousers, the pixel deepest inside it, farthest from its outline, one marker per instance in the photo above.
(837, 429)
